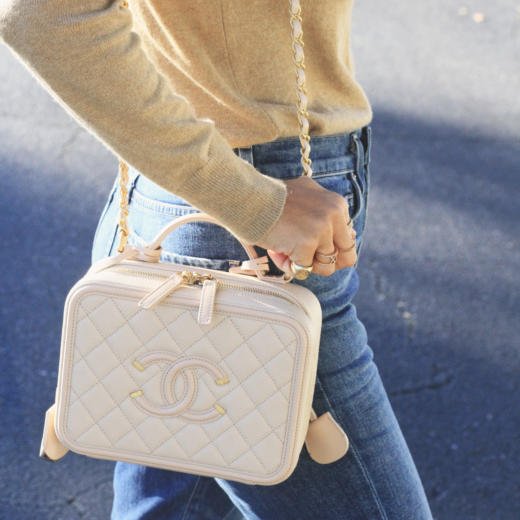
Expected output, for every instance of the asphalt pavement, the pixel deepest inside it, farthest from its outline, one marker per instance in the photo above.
(439, 266)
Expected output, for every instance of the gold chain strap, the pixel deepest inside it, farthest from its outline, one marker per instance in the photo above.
(303, 121)
(301, 105)
(123, 206)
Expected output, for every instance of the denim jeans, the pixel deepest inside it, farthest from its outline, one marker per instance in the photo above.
(377, 478)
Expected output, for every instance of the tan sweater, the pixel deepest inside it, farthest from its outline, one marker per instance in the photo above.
(172, 85)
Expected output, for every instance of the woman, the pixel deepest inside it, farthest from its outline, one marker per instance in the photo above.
(198, 97)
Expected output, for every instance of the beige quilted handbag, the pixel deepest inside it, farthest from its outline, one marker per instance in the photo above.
(190, 369)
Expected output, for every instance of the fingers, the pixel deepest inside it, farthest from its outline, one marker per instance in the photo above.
(343, 231)
(339, 241)
(345, 240)
(302, 255)
(325, 259)
(343, 237)
(281, 260)
(328, 260)
(321, 264)
(313, 230)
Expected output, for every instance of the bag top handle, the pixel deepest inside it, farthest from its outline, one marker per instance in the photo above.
(254, 265)
(302, 113)
(151, 252)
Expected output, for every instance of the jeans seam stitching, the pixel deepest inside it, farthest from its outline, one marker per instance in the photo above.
(190, 499)
(369, 481)
(357, 457)
(158, 206)
(332, 173)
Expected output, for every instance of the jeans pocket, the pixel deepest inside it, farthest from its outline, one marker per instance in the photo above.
(359, 222)
(357, 205)
(341, 182)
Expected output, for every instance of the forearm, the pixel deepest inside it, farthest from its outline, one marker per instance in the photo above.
(86, 55)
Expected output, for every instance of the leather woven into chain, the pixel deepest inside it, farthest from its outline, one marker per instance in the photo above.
(301, 105)
(123, 206)
(295, 12)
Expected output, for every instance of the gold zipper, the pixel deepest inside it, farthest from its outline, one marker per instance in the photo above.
(188, 277)
(194, 278)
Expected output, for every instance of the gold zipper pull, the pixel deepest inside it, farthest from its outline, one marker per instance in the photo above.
(194, 278)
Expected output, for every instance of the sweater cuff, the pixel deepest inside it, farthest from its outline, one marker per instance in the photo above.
(233, 191)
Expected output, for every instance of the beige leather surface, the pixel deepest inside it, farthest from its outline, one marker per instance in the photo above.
(227, 397)
(51, 448)
(326, 441)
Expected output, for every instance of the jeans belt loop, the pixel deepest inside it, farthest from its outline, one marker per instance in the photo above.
(367, 142)
(356, 147)
(246, 153)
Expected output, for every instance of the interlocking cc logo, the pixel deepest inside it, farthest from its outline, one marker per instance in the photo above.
(184, 367)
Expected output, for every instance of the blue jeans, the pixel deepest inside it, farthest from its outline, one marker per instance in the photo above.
(377, 478)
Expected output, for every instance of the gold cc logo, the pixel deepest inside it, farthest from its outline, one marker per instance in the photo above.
(183, 366)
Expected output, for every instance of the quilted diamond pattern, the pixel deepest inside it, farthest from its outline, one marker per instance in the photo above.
(261, 359)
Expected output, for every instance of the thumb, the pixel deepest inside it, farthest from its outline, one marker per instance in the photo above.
(281, 260)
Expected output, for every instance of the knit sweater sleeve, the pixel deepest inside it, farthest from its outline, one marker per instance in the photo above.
(87, 57)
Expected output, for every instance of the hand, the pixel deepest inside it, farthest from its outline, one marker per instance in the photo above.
(313, 219)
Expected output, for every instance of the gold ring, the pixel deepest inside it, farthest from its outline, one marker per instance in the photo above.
(301, 272)
(332, 257)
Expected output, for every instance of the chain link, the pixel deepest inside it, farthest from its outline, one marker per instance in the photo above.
(295, 12)
(123, 206)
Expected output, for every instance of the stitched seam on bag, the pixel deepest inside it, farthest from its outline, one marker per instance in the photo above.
(95, 376)
(262, 365)
(165, 328)
(233, 425)
(272, 431)
(249, 444)
(281, 341)
(242, 435)
(284, 451)
(118, 404)
(126, 321)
